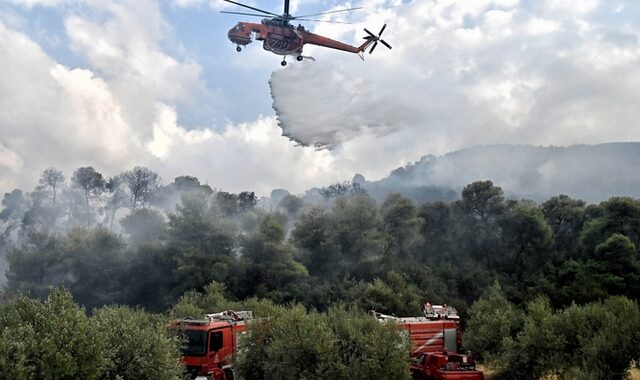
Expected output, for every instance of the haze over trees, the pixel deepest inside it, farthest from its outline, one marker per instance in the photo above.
(129, 240)
(589, 172)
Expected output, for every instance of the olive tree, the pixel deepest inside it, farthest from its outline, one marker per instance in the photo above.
(53, 339)
(293, 343)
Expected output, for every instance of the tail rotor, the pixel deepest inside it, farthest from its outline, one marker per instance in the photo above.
(376, 39)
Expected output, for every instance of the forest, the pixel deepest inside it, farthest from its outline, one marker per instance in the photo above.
(544, 289)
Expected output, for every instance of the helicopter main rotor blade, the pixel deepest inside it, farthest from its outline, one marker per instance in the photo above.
(243, 14)
(329, 21)
(385, 44)
(286, 7)
(252, 8)
(328, 13)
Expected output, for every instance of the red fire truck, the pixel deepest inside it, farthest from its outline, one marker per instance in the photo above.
(210, 343)
(437, 331)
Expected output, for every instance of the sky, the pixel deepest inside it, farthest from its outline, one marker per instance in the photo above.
(115, 84)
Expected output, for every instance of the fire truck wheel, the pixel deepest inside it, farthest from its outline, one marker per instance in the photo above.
(228, 374)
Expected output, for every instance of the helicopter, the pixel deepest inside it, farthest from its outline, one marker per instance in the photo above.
(280, 37)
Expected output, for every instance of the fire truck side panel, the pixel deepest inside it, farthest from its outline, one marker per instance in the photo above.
(432, 336)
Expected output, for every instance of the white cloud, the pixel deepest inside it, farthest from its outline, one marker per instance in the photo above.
(32, 3)
(188, 3)
(167, 134)
(63, 117)
(53, 115)
(576, 7)
(251, 156)
(212, 4)
(539, 25)
(10, 160)
(94, 113)
(298, 7)
(129, 55)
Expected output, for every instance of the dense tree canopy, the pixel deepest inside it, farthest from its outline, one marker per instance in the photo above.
(344, 248)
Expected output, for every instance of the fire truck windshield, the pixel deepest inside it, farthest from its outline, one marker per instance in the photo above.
(195, 344)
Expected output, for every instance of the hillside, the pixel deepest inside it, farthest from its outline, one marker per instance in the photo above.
(590, 172)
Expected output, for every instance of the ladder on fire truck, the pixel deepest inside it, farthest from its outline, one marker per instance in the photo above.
(435, 312)
(231, 316)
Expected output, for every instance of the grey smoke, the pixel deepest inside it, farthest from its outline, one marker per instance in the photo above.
(590, 172)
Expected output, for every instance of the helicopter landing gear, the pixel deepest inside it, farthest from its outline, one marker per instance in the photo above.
(299, 58)
(283, 63)
(238, 49)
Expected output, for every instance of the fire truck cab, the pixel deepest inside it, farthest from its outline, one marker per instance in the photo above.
(210, 343)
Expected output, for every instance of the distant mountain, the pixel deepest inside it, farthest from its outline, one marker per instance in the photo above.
(590, 172)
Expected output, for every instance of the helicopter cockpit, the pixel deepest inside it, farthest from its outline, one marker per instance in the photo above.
(240, 34)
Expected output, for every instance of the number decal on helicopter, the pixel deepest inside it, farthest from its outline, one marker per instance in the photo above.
(281, 44)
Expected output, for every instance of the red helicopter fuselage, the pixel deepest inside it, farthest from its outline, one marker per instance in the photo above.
(282, 38)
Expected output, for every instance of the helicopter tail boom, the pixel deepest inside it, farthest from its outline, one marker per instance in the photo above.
(370, 40)
(315, 39)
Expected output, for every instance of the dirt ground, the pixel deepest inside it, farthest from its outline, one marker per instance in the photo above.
(488, 374)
